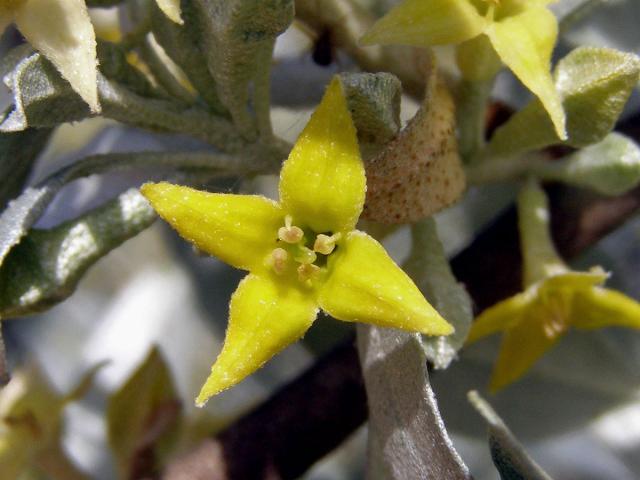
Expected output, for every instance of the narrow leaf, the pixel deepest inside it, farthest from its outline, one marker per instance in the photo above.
(428, 266)
(239, 40)
(18, 153)
(46, 266)
(509, 456)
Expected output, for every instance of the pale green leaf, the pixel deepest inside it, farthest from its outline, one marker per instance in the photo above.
(594, 84)
(428, 266)
(610, 167)
(374, 102)
(144, 414)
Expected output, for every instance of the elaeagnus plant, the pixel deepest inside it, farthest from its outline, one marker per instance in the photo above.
(362, 174)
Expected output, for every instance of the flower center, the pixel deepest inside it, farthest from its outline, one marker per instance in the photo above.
(306, 252)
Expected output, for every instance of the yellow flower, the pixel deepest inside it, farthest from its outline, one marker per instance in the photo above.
(555, 300)
(61, 30)
(302, 253)
(522, 32)
(171, 9)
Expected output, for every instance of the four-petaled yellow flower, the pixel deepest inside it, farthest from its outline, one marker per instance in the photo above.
(555, 299)
(61, 30)
(522, 32)
(302, 253)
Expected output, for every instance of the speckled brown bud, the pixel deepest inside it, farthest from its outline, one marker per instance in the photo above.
(419, 172)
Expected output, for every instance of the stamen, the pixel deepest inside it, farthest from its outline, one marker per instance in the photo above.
(305, 255)
(326, 244)
(279, 259)
(290, 233)
(307, 272)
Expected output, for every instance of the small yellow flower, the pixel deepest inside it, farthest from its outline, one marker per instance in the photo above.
(522, 32)
(555, 299)
(302, 253)
(171, 9)
(61, 30)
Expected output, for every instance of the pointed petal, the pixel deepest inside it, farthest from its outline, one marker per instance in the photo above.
(322, 183)
(525, 42)
(499, 317)
(365, 285)
(522, 345)
(427, 22)
(62, 31)
(171, 9)
(264, 318)
(601, 307)
(240, 230)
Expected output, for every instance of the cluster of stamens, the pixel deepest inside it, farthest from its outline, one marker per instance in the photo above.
(292, 242)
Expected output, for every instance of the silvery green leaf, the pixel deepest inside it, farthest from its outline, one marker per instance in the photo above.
(239, 36)
(610, 167)
(594, 83)
(46, 266)
(184, 45)
(429, 268)
(407, 437)
(25, 210)
(508, 454)
(42, 98)
(18, 152)
(374, 102)
(143, 414)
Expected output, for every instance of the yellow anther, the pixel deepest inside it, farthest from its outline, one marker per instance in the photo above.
(307, 272)
(326, 244)
(290, 233)
(305, 255)
(279, 259)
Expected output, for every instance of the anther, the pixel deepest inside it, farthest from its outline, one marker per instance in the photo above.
(307, 271)
(326, 244)
(290, 233)
(279, 258)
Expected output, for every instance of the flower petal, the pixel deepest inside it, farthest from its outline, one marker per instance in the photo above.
(500, 316)
(264, 318)
(365, 285)
(522, 345)
(322, 183)
(601, 307)
(525, 42)
(427, 22)
(62, 31)
(171, 9)
(241, 230)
